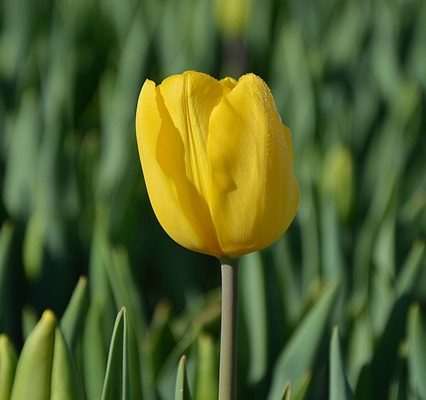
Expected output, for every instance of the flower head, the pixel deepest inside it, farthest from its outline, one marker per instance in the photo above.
(217, 162)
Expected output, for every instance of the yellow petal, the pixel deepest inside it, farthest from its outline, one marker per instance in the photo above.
(254, 194)
(177, 203)
(189, 99)
(228, 84)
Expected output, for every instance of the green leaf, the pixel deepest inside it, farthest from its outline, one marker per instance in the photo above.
(207, 315)
(156, 345)
(339, 387)
(94, 351)
(302, 390)
(253, 304)
(417, 352)
(207, 379)
(381, 300)
(298, 355)
(116, 376)
(72, 320)
(308, 218)
(330, 240)
(7, 367)
(99, 282)
(7, 307)
(34, 369)
(412, 268)
(182, 388)
(287, 392)
(360, 346)
(22, 156)
(379, 373)
(126, 295)
(283, 295)
(29, 320)
(15, 37)
(123, 286)
(167, 373)
(65, 383)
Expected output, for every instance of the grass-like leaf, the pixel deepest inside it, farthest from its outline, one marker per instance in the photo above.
(8, 362)
(298, 355)
(182, 388)
(116, 376)
(417, 352)
(339, 387)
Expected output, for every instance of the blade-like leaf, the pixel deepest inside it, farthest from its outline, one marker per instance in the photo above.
(34, 369)
(65, 383)
(126, 295)
(7, 367)
(116, 379)
(72, 320)
(123, 286)
(417, 352)
(94, 351)
(379, 375)
(298, 355)
(287, 392)
(411, 269)
(253, 305)
(7, 307)
(166, 376)
(303, 387)
(339, 387)
(207, 380)
(182, 388)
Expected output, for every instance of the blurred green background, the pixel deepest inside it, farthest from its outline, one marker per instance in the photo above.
(349, 79)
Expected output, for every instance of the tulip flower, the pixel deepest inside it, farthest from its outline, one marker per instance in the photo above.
(218, 167)
(217, 162)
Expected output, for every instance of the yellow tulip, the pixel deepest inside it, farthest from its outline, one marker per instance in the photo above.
(217, 162)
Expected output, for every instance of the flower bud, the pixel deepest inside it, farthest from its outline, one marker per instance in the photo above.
(337, 178)
(217, 162)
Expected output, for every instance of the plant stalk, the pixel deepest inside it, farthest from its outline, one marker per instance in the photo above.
(228, 335)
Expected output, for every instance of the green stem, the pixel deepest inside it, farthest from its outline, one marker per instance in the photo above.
(228, 336)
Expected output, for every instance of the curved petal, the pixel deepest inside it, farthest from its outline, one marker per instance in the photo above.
(162, 156)
(253, 194)
(189, 99)
(228, 84)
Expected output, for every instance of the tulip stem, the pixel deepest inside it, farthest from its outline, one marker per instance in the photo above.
(228, 336)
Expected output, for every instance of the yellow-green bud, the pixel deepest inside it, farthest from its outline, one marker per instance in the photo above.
(337, 178)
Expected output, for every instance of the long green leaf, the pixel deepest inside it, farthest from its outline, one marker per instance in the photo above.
(116, 376)
(65, 382)
(417, 352)
(182, 389)
(253, 303)
(34, 369)
(412, 268)
(287, 392)
(94, 351)
(8, 362)
(206, 372)
(72, 320)
(298, 355)
(339, 387)
(6, 296)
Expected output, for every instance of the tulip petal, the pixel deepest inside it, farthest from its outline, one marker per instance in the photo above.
(228, 84)
(180, 209)
(253, 194)
(189, 99)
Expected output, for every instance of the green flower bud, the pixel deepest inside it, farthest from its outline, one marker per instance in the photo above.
(338, 178)
(7, 367)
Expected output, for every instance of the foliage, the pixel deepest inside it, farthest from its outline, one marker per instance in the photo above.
(346, 75)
